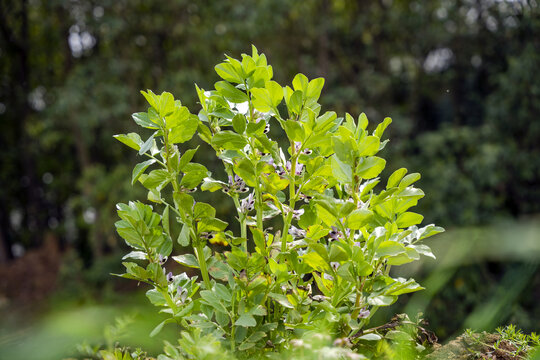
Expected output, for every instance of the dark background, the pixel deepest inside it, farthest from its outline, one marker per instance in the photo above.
(460, 78)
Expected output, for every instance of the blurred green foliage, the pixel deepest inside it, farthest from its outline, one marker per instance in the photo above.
(459, 77)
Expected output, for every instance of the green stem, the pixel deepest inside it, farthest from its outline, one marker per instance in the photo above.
(356, 311)
(233, 320)
(292, 201)
(199, 252)
(242, 219)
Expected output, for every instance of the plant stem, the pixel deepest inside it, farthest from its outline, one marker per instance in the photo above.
(233, 328)
(242, 219)
(356, 311)
(292, 200)
(199, 252)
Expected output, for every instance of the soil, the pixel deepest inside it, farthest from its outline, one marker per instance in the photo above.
(465, 348)
(31, 277)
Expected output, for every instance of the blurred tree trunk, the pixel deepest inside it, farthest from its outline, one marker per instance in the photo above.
(16, 38)
(324, 42)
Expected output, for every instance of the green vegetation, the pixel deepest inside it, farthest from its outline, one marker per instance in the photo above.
(328, 264)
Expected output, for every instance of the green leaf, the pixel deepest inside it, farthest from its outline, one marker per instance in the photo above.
(381, 127)
(194, 173)
(185, 130)
(424, 250)
(282, 300)
(408, 219)
(248, 65)
(159, 327)
(246, 320)
(166, 104)
(186, 158)
(359, 218)
(152, 98)
(325, 122)
(370, 167)
(389, 248)
(363, 121)
(212, 185)
(409, 179)
(139, 169)
(165, 221)
(228, 72)
(300, 82)
(315, 260)
(345, 148)
(203, 210)
(256, 336)
(256, 128)
(398, 335)
(316, 184)
(275, 91)
(188, 260)
(141, 119)
(326, 211)
(246, 345)
(396, 176)
(179, 115)
(147, 145)
(342, 171)
(229, 140)
(156, 298)
(211, 224)
(165, 248)
(337, 253)
(381, 300)
(137, 255)
(370, 337)
(129, 234)
(231, 93)
(308, 218)
(273, 183)
(315, 232)
(294, 130)
(239, 123)
(408, 256)
(132, 140)
(403, 287)
(184, 202)
(258, 238)
(369, 146)
(211, 299)
(295, 102)
(157, 179)
(244, 168)
(314, 88)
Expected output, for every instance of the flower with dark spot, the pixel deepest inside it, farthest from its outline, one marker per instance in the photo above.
(334, 233)
(181, 293)
(247, 204)
(297, 233)
(162, 259)
(298, 169)
(364, 313)
(297, 213)
(170, 277)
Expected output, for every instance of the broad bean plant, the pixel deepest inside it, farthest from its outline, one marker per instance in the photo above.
(324, 268)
